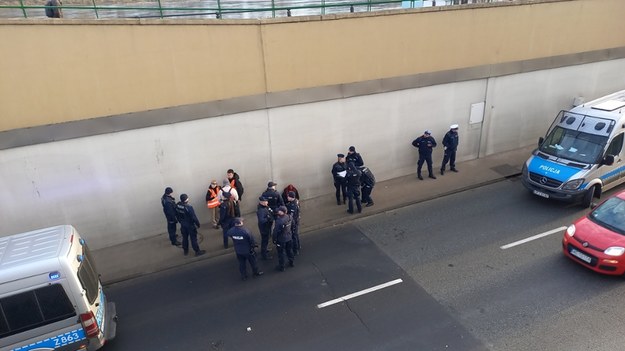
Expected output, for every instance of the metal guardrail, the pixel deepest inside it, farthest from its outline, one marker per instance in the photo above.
(225, 8)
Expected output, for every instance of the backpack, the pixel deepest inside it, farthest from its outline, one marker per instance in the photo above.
(49, 9)
(367, 176)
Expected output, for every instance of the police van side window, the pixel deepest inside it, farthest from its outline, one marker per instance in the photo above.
(615, 146)
(88, 276)
(33, 309)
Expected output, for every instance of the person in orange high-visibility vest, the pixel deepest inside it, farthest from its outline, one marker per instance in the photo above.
(213, 202)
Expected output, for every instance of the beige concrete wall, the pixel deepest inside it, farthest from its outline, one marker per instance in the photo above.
(64, 70)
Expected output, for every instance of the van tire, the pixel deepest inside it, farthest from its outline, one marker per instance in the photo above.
(590, 194)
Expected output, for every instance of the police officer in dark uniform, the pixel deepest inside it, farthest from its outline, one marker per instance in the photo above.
(450, 142)
(425, 143)
(273, 197)
(339, 178)
(353, 156)
(265, 216)
(244, 245)
(353, 187)
(189, 224)
(292, 207)
(283, 238)
(169, 209)
(367, 181)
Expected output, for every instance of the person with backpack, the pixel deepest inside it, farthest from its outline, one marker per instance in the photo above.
(53, 10)
(212, 202)
(226, 213)
(292, 206)
(367, 182)
(283, 239)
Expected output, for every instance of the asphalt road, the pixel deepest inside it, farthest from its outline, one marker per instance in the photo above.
(459, 291)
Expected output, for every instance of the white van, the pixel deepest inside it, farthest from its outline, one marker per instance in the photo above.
(582, 153)
(50, 293)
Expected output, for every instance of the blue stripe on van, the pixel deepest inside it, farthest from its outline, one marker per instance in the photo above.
(613, 173)
(56, 341)
(551, 169)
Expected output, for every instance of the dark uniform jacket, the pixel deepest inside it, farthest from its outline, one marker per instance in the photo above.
(273, 198)
(282, 231)
(264, 214)
(355, 158)
(186, 215)
(169, 208)
(293, 210)
(353, 178)
(450, 141)
(422, 142)
(243, 240)
(336, 168)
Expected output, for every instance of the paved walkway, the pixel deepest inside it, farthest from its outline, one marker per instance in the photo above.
(156, 253)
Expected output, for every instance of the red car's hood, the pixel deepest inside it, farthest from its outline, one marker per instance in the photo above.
(596, 235)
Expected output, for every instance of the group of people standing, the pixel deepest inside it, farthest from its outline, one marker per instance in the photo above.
(353, 181)
(278, 219)
(426, 142)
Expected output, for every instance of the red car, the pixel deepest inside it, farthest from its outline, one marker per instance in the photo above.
(597, 240)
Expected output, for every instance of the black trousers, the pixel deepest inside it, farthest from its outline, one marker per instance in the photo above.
(189, 232)
(366, 194)
(265, 232)
(171, 230)
(285, 250)
(353, 194)
(425, 158)
(340, 187)
(243, 260)
(450, 156)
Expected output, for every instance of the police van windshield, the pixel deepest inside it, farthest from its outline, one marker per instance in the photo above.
(574, 145)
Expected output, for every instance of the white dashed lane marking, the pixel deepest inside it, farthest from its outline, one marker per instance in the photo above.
(537, 236)
(359, 293)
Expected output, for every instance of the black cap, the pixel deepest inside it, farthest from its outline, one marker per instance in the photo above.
(340, 155)
(291, 194)
(270, 184)
(169, 190)
(262, 198)
(237, 221)
(352, 149)
(184, 197)
(282, 208)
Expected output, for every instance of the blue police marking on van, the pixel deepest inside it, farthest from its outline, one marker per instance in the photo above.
(551, 169)
(55, 342)
(54, 275)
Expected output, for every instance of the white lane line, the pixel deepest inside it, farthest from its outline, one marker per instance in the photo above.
(537, 236)
(358, 293)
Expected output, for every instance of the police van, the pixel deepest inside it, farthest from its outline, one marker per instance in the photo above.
(51, 297)
(582, 153)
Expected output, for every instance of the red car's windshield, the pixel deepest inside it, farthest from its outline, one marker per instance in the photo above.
(611, 214)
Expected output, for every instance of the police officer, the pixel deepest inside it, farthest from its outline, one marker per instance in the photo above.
(265, 216)
(353, 156)
(450, 142)
(244, 245)
(169, 209)
(425, 143)
(353, 187)
(367, 181)
(338, 173)
(273, 197)
(283, 238)
(292, 207)
(188, 225)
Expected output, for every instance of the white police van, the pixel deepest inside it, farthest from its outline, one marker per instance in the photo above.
(582, 154)
(51, 297)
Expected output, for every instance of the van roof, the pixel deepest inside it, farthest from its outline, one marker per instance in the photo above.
(33, 246)
(610, 106)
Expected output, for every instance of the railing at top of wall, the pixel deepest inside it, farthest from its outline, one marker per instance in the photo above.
(219, 8)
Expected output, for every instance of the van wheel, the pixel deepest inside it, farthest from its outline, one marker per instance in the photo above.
(590, 194)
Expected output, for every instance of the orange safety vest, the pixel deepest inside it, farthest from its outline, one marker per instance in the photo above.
(215, 201)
